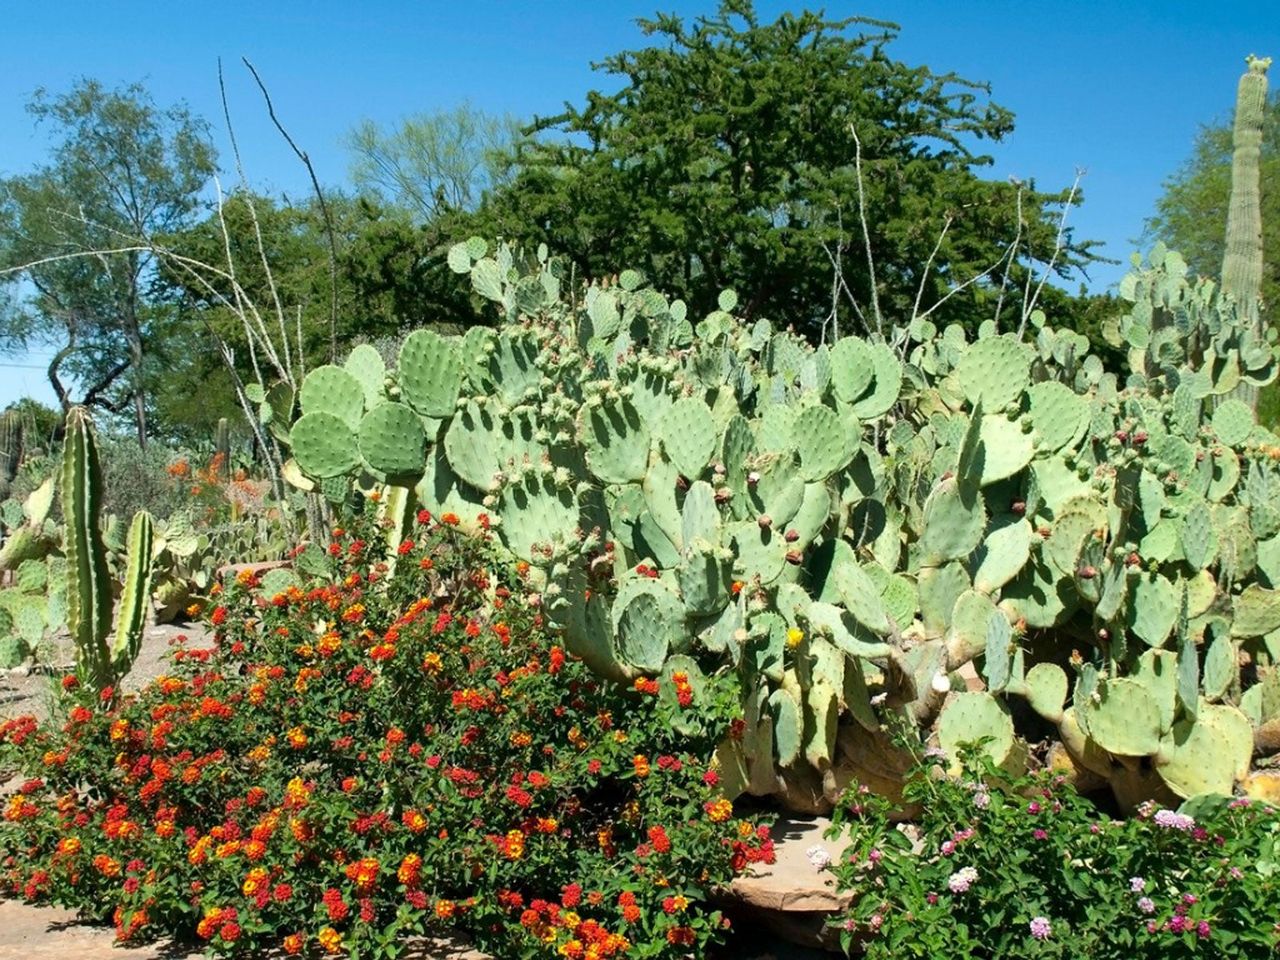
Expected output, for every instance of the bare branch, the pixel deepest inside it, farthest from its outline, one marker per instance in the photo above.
(924, 277)
(324, 211)
(866, 233)
(1057, 250)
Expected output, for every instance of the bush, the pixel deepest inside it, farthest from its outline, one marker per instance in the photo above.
(1028, 868)
(135, 479)
(380, 756)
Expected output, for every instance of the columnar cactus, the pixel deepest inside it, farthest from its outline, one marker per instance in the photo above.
(1242, 261)
(101, 660)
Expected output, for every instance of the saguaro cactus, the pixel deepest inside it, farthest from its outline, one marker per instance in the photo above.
(1242, 261)
(89, 588)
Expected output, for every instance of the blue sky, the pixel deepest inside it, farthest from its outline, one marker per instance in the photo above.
(1118, 88)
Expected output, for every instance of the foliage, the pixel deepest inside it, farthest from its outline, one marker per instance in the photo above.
(432, 163)
(374, 757)
(730, 158)
(1026, 868)
(122, 170)
(137, 479)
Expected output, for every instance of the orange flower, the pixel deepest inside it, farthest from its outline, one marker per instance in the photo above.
(297, 738)
(410, 871)
(292, 944)
(641, 764)
(256, 879)
(718, 811)
(414, 820)
(445, 908)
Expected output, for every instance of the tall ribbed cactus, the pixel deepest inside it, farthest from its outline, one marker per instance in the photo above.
(89, 589)
(222, 446)
(10, 449)
(1242, 261)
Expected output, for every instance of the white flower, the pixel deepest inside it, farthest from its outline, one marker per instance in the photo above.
(818, 856)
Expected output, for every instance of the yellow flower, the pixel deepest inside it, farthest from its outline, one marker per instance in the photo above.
(330, 939)
(795, 636)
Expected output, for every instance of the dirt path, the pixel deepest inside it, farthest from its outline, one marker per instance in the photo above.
(31, 689)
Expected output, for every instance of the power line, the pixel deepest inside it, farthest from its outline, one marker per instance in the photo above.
(22, 366)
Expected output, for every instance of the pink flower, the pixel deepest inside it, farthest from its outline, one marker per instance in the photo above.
(1146, 905)
(1040, 928)
(1173, 820)
(962, 879)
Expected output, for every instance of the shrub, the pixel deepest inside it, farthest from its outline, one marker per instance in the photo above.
(135, 479)
(391, 753)
(1028, 868)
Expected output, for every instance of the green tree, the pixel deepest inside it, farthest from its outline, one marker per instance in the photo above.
(77, 229)
(1191, 214)
(432, 162)
(732, 157)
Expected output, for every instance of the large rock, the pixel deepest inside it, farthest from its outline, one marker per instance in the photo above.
(792, 896)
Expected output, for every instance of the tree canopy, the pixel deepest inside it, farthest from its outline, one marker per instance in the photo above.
(1191, 214)
(122, 170)
(732, 156)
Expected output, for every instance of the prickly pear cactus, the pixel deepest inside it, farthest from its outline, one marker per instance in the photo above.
(842, 529)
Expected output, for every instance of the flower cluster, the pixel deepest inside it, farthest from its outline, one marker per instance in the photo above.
(1027, 867)
(395, 750)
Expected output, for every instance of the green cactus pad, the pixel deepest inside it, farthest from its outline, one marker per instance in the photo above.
(1208, 754)
(885, 386)
(1123, 717)
(861, 597)
(1003, 554)
(852, 369)
(1071, 529)
(1225, 475)
(647, 630)
(994, 372)
(616, 439)
(1039, 597)
(1221, 671)
(1046, 690)
(970, 617)
(821, 718)
(332, 390)
(977, 719)
(481, 443)
(999, 649)
(940, 588)
(822, 441)
(1233, 421)
(788, 726)
(832, 622)
(776, 429)
(1198, 536)
(760, 553)
(689, 436)
(366, 365)
(659, 486)
(536, 512)
(1255, 612)
(1006, 449)
(513, 365)
(953, 523)
(325, 446)
(1153, 607)
(392, 440)
(1060, 416)
(430, 373)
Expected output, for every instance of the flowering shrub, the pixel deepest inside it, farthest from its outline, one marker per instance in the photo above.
(1030, 869)
(386, 754)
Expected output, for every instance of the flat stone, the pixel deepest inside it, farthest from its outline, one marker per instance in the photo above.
(232, 570)
(793, 884)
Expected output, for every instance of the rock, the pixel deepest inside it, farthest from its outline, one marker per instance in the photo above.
(792, 896)
(233, 570)
(1263, 785)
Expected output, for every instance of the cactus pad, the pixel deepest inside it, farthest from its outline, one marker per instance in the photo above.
(822, 442)
(430, 373)
(1123, 717)
(994, 372)
(392, 440)
(978, 719)
(689, 436)
(616, 440)
(324, 446)
(332, 390)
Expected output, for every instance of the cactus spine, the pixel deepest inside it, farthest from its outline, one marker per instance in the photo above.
(1242, 261)
(89, 592)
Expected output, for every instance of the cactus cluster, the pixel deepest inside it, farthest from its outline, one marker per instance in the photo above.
(850, 530)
